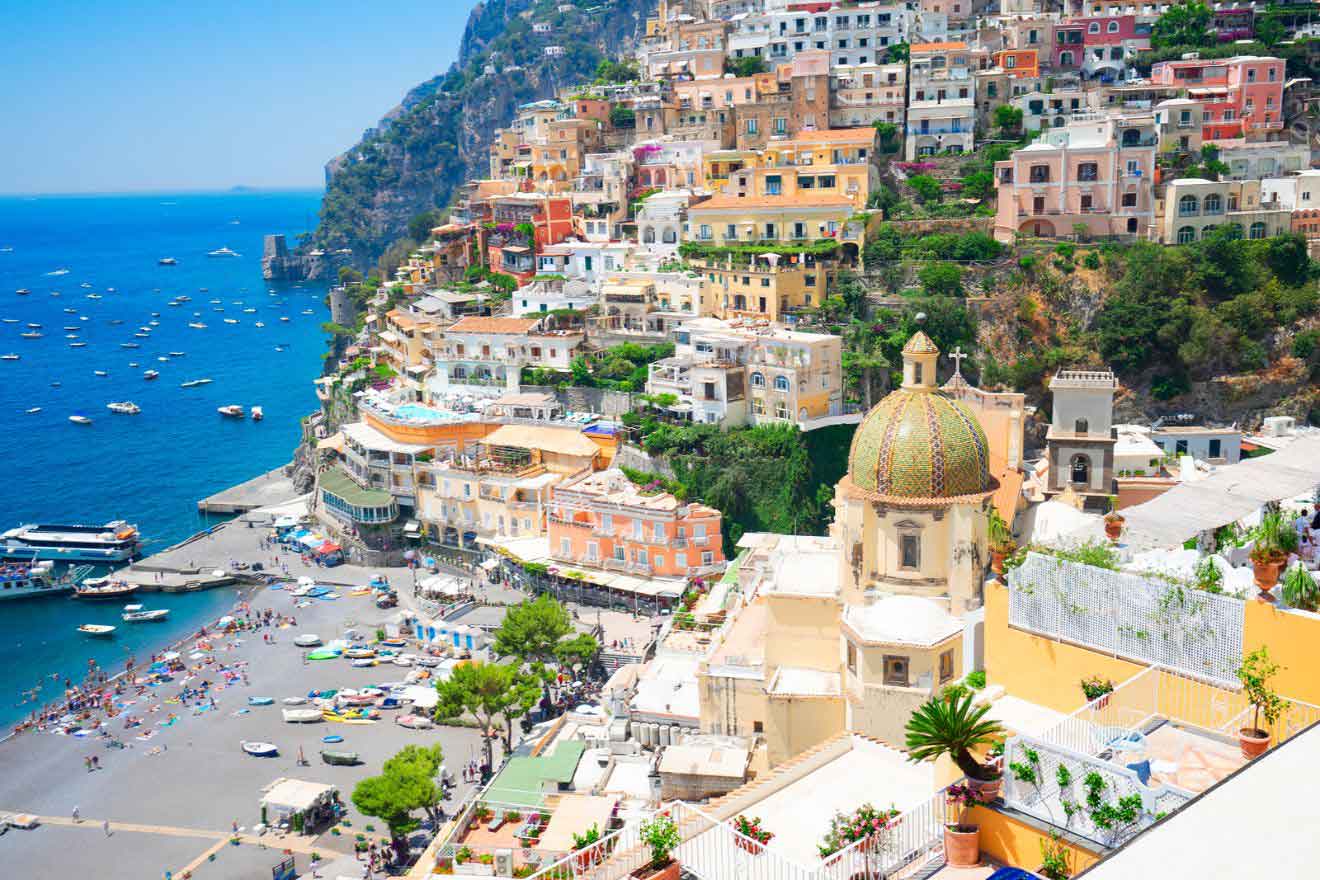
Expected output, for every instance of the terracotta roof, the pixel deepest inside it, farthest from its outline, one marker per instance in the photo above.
(726, 202)
(936, 47)
(833, 136)
(494, 325)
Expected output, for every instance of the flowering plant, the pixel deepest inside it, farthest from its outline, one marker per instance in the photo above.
(958, 800)
(866, 821)
(752, 828)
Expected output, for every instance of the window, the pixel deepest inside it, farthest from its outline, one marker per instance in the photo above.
(758, 380)
(781, 125)
(1213, 204)
(1180, 447)
(758, 727)
(704, 233)
(774, 185)
(1216, 448)
(946, 666)
(1081, 470)
(1080, 426)
(1188, 206)
(1088, 171)
(566, 548)
(607, 523)
(771, 231)
(1093, 28)
(909, 552)
(1129, 200)
(751, 126)
(852, 658)
(1186, 235)
(1251, 74)
(1112, 27)
(731, 232)
(1257, 230)
(1087, 204)
(896, 671)
(707, 557)
(1040, 174)
(781, 383)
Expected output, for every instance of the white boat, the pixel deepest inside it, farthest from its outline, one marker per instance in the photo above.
(177, 354)
(86, 285)
(34, 410)
(150, 374)
(133, 364)
(96, 630)
(261, 749)
(307, 640)
(59, 272)
(80, 420)
(8, 320)
(77, 345)
(93, 296)
(21, 580)
(233, 411)
(294, 701)
(258, 414)
(31, 334)
(22, 291)
(124, 407)
(259, 324)
(139, 614)
(308, 312)
(193, 383)
(101, 373)
(167, 261)
(414, 722)
(223, 252)
(284, 317)
(130, 345)
(302, 716)
(249, 311)
(231, 320)
(197, 325)
(9, 357)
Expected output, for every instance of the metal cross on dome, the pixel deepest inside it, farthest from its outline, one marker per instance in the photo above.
(957, 356)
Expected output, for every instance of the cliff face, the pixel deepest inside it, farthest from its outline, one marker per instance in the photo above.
(439, 135)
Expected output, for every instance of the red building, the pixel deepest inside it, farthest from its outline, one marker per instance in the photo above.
(1242, 96)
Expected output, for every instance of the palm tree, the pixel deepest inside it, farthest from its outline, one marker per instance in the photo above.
(863, 359)
(952, 727)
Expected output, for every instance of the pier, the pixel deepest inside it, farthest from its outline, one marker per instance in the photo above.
(266, 490)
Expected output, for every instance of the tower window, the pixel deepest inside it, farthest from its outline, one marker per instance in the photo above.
(896, 671)
(910, 552)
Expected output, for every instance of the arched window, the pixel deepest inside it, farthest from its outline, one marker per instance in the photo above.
(459, 373)
(1131, 137)
(758, 381)
(1186, 235)
(1080, 426)
(1234, 230)
(739, 301)
(1065, 59)
(1257, 230)
(1188, 206)
(781, 383)
(1213, 204)
(648, 237)
(670, 236)
(1081, 469)
(1208, 231)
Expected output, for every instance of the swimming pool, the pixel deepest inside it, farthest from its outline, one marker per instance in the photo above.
(416, 412)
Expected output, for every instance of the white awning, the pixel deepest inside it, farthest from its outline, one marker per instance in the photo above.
(1225, 496)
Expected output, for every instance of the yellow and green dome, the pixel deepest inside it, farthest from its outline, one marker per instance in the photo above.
(920, 444)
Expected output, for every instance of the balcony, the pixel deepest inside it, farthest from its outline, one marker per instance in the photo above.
(939, 129)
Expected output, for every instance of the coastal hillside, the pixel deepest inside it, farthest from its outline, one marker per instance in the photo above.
(438, 136)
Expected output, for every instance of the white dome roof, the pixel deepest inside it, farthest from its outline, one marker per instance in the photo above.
(902, 620)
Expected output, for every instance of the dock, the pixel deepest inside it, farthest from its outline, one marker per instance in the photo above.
(266, 490)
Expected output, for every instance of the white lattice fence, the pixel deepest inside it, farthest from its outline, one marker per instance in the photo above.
(1144, 619)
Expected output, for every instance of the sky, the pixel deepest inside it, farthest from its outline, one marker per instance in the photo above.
(138, 95)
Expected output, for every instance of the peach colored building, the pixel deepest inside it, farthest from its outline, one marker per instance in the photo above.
(1094, 175)
(1242, 96)
(606, 521)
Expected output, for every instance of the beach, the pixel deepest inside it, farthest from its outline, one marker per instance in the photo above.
(172, 798)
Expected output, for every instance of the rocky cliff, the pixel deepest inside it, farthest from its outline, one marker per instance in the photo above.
(438, 136)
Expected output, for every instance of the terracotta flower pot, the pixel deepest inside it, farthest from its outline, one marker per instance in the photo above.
(1114, 528)
(997, 558)
(1253, 742)
(670, 871)
(986, 789)
(1266, 574)
(962, 845)
(748, 845)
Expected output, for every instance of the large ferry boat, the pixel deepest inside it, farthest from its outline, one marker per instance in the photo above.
(115, 541)
(23, 581)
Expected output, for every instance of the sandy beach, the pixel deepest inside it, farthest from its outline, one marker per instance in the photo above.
(172, 799)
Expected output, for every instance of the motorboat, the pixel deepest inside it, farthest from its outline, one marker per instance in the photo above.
(405, 660)
(261, 749)
(258, 414)
(150, 374)
(302, 716)
(197, 325)
(364, 662)
(101, 373)
(9, 357)
(359, 653)
(8, 320)
(21, 580)
(223, 252)
(77, 345)
(113, 542)
(104, 588)
(261, 701)
(308, 312)
(259, 324)
(294, 701)
(80, 420)
(340, 759)
(139, 614)
(233, 411)
(31, 334)
(22, 291)
(124, 407)
(231, 320)
(284, 318)
(414, 722)
(130, 345)
(177, 354)
(307, 640)
(193, 383)
(34, 410)
(167, 261)
(133, 365)
(33, 326)
(96, 630)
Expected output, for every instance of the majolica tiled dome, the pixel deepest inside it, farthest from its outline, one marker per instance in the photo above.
(919, 444)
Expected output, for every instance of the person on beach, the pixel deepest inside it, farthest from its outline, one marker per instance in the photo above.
(105, 825)
(76, 817)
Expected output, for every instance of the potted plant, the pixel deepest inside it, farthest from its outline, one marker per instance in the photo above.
(660, 835)
(1300, 589)
(863, 823)
(1275, 538)
(1097, 688)
(1002, 544)
(585, 848)
(955, 727)
(1255, 673)
(1114, 521)
(962, 839)
(1054, 859)
(752, 837)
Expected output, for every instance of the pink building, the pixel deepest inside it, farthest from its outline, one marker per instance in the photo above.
(1095, 174)
(1099, 46)
(1242, 96)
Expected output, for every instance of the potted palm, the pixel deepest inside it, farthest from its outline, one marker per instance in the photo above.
(962, 839)
(955, 727)
(1114, 521)
(752, 837)
(1255, 673)
(659, 835)
(1300, 589)
(1001, 542)
(1275, 538)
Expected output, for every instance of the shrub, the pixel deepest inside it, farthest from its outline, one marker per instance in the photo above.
(976, 679)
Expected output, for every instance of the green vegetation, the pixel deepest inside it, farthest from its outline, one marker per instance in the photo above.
(623, 116)
(954, 728)
(490, 693)
(748, 65)
(1184, 24)
(407, 783)
(617, 72)
(536, 632)
(695, 250)
(888, 243)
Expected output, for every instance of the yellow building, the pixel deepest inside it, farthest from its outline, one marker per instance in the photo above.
(832, 162)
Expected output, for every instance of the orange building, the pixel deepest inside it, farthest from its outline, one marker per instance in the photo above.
(604, 520)
(1019, 63)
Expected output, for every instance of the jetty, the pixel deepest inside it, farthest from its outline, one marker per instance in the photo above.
(266, 490)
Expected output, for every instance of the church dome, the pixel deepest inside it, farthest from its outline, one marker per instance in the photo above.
(918, 444)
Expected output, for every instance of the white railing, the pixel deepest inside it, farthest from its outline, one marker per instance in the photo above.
(1125, 615)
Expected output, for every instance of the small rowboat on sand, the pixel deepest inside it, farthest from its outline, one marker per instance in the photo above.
(414, 722)
(340, 759)
(260, 701)
(302, 716)
(261, 749)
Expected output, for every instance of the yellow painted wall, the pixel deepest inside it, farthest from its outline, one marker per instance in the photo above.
(1293, 639)
(1012, 842)
(802, 632)
(798, 723)
(1038, 669)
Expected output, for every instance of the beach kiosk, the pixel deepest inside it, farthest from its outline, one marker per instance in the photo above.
(298, 804)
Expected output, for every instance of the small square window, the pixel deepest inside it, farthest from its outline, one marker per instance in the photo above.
(896, 671)
(946, 666)
(758, 727)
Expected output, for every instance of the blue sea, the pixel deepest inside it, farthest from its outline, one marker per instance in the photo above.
(90, 262)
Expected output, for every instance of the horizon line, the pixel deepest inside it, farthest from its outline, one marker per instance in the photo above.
(237, 190)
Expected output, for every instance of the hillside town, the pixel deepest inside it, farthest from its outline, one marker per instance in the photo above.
(1003, 626)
